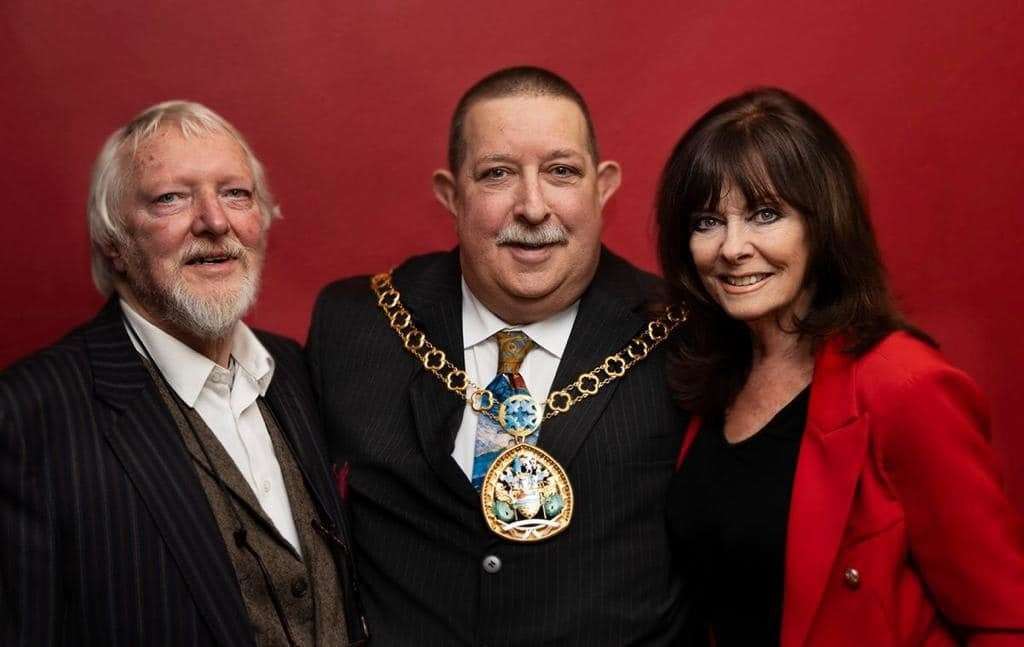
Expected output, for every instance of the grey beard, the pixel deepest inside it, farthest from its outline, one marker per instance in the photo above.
(516, 232)
(211, 317)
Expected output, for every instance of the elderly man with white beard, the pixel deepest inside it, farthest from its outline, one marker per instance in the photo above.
(162, 479)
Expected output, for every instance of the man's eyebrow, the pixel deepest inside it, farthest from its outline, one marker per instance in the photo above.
(562, 152)
(506, 157)
(496, 157)
(232, 178)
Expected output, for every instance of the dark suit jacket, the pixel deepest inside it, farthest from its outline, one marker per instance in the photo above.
(899, 531)
(106, 536)
(417, 524)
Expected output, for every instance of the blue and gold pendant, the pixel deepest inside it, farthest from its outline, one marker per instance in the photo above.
(519, 415)
(526, 495)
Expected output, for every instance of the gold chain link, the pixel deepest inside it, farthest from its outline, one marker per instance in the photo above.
(482, 400)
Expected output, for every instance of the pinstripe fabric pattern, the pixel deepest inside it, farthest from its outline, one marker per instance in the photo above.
(419, 534)
(106, 537)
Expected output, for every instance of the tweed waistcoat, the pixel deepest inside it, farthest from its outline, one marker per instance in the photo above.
(307, 586)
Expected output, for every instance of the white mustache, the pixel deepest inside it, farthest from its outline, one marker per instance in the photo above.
(516, 233)
(199, 248)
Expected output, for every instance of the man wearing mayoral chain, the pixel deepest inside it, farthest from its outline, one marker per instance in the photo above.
(163, 479)
(500, 410)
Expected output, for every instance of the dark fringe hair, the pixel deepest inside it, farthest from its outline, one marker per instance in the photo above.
(772, 147)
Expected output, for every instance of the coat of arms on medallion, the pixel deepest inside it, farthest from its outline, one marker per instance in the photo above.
(526, 495)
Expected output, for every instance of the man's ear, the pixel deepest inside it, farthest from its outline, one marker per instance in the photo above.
(609, 176)
(444, 189)
(114, 255)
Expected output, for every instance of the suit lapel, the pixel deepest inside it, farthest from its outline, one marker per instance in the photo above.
(435, 299)
(832, 456)
(604, 325)
(298, 428)
(146, 440)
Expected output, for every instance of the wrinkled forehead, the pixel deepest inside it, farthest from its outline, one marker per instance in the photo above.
(171, 149)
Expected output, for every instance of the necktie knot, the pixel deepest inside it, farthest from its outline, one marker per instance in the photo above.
(513, 345)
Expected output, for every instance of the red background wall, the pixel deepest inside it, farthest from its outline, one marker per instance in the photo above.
(347, 104)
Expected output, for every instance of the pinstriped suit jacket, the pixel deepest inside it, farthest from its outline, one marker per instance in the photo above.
(416, 520)
(106, 536)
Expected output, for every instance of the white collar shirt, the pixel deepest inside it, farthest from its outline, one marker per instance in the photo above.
(480, 350)
(226, 400)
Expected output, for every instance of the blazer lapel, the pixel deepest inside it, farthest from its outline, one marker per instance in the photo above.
(435, 300)
(832, 456)
(298, 428)
(146, 439)
(607, 319)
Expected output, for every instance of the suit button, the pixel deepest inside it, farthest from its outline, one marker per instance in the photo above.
(492, 564)
(299, 587)
(852, 578)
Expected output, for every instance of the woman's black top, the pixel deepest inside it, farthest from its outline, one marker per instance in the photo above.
(727, 512)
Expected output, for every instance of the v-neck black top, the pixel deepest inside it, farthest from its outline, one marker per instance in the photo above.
(727, 513)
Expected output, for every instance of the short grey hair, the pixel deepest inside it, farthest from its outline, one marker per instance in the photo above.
(110, 175)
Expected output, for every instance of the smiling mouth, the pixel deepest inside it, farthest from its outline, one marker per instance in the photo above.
(745, 280)
(530, 245)
(209, 260)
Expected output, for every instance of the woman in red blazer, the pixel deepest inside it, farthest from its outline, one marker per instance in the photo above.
(836, 486)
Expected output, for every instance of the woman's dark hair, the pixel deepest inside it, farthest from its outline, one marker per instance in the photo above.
(772, 147)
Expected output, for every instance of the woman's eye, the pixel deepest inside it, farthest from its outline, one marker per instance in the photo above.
(766, 215)
(166, 198)
(238, 193)
(704, 223)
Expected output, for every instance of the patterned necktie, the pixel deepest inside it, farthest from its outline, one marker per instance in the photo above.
(491, 439)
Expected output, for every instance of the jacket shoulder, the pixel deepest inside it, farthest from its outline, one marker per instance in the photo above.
(352, 297)
(46, 379)
(901, 360)
(915, 395)
(55, 360)
(344, 292)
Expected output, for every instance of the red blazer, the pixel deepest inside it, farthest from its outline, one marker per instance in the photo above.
(899, 530)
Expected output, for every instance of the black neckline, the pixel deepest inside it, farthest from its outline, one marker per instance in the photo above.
(777, 426)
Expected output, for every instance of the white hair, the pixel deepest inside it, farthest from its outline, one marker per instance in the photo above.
(110, 175)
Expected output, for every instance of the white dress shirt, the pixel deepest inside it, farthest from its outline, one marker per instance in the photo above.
(480, 350)
(225, 398)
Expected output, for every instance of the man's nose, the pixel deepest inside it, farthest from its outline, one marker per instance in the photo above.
(532, 207)
(210, 219)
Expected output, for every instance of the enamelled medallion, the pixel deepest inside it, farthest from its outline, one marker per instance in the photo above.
(526, 495)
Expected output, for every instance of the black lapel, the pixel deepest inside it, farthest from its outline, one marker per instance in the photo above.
(146, 439)
(611, 313)
(434, 296)
(297, 420)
